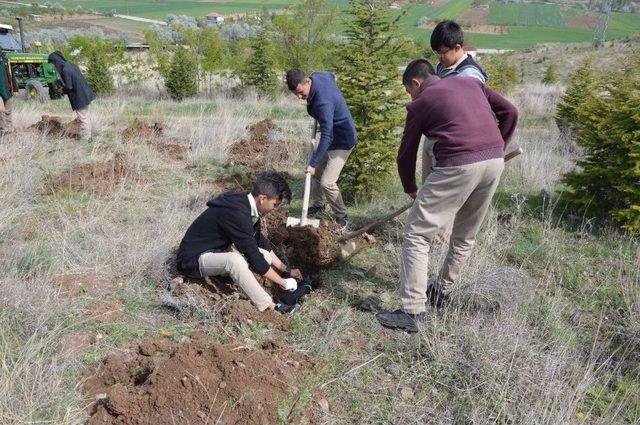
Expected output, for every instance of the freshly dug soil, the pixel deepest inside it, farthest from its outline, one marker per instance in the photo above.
(153, 135)
(53, 126)
(139, 130)
(197, 382)
(100, 177)
(308, 248)
(243, 312)
(259, 151)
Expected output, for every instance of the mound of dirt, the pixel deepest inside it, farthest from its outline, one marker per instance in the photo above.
(139, 130)
(100, 177)
(153, 135)
(259, 151)
(243, 312)
(53, 126)
(197, 382)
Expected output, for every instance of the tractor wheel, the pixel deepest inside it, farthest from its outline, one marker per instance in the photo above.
(34, 90)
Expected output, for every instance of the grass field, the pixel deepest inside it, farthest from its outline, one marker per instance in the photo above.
(544, 15)
(543, 328)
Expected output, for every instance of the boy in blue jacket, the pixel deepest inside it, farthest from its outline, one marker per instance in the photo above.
(326, 104)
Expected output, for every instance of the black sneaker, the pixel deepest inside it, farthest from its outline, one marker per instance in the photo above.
(287, 308)
(342, 221)
(315, 210)
(400, 320)
(437, 298)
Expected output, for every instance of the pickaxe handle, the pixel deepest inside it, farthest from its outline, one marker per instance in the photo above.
(397, 212)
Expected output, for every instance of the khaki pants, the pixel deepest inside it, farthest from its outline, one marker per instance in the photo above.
(233, 263)
(85, 122)
(324, 181)
(428, 162)
(462, 194)
(6, 122)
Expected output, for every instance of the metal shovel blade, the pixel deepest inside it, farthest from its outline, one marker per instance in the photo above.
(294, 221)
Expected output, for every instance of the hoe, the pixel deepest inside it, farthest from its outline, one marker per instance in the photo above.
(303, 220)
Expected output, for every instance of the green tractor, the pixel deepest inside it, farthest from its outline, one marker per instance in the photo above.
(29, 71)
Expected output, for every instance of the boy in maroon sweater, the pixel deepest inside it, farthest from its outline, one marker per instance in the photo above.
(472, 125)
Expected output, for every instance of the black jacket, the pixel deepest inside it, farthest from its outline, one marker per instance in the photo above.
(227, 221)
(75, 86)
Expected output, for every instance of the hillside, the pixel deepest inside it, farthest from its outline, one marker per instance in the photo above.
(94, 325)
(488, 24)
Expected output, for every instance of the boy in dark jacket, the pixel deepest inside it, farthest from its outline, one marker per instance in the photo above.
(6, 123)
(77, 89)
(226, 240)
(326, 104)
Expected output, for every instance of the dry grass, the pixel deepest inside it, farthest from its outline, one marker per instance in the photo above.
(512, 348)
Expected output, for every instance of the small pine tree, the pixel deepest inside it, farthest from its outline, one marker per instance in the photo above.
(582, 86)
(607, 126)
(258, 71)
(98, 75)
(550, 74)
(181, 79)
(503, 74)
(370, 81)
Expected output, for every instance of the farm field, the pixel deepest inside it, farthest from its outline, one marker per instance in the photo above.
(510, 26)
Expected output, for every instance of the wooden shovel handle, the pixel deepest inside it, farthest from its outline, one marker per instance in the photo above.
(397, 212)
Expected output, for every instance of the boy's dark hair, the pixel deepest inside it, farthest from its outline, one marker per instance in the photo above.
(295, 77)
(448, 34)
(418, 68)
(272, 184)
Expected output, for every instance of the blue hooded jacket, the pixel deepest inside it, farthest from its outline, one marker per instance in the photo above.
(327, 105)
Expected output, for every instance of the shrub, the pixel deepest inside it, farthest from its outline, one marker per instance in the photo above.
(258, 70)
(181, 79)
(607, 127)
(503, 74)
(370, 81)
(582, 85)
(550, 74)
(98, 75)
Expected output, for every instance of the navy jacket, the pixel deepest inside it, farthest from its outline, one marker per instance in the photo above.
(75, 86)
(327, 105)
(227, 221)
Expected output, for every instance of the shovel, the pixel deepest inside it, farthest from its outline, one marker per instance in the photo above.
(303, 220)
(349, 247)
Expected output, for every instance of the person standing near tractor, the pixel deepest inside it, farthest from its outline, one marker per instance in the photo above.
(472, 125)
(6, 123)
(77, 89)
(326, 104)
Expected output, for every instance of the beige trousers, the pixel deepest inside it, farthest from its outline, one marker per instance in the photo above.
(428, 162)
(85, 122)
(462, 194)
(233, 263)
(6, 123)
(324, 183)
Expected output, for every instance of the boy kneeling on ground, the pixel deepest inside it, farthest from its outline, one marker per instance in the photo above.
(226, 240)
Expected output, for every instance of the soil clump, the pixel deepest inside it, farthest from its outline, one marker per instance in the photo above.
(154, 136)
(259, 151)
(197, 382)
(99, 177)
(77, 284)
(50, 125)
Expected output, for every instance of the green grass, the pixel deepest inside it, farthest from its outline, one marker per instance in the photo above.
(525, 14)
(452, 10)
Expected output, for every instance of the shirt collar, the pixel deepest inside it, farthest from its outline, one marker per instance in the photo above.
(254, 208)
(312, 91)
(455, 65)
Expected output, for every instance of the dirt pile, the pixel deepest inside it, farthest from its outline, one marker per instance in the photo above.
(259, 151)
(139, 130)
(100, 177)
(50, 125)
(307, 248)
(154, 136)
(198, 382)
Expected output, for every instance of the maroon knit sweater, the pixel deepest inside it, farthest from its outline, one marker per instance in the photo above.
(471, 123)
